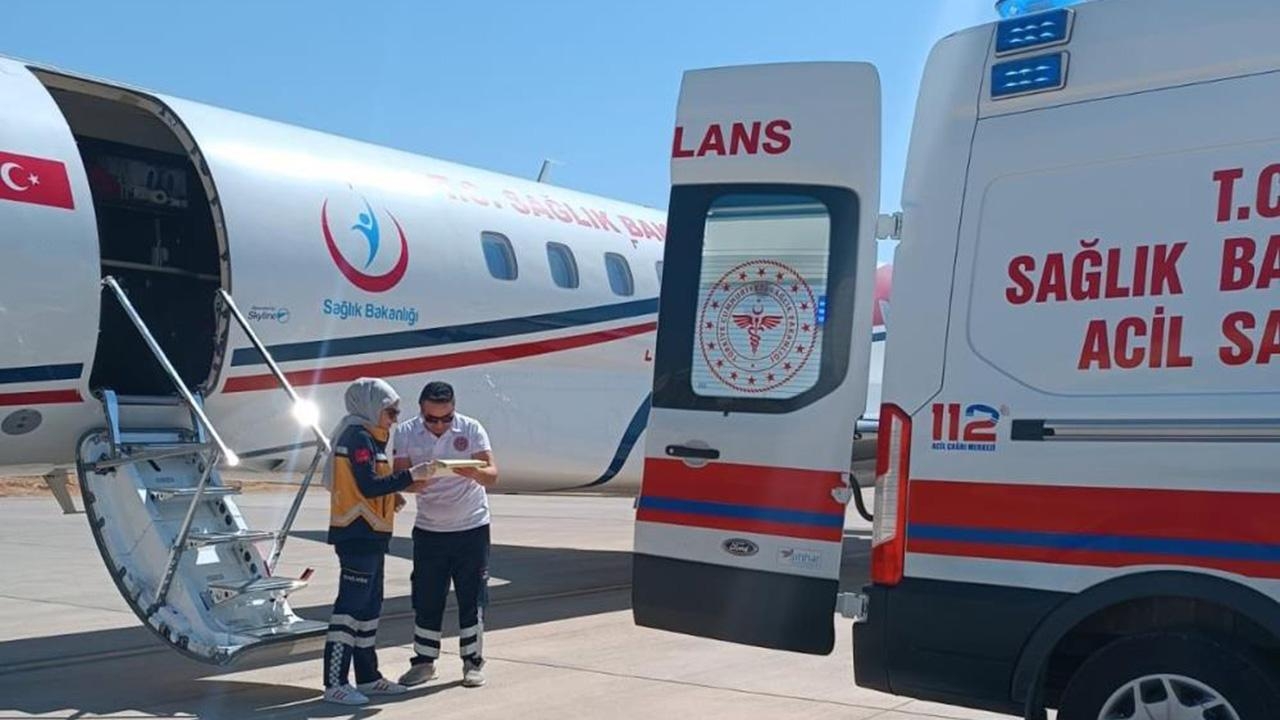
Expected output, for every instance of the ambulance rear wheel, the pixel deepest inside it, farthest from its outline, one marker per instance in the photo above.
(1179, 676)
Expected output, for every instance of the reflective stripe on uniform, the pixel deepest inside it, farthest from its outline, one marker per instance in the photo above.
(354, 624)
(427, 634)
(471, 640)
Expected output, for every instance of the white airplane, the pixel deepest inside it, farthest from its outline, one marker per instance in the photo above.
(126, 214)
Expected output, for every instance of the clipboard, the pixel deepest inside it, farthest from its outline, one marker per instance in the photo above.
(439, 467)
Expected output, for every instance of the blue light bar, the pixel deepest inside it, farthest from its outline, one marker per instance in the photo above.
(1033, 31)
(1010, 8)
(1028, 75)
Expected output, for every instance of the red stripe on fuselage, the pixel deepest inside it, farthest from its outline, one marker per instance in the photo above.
(42, 397)
(413, 366)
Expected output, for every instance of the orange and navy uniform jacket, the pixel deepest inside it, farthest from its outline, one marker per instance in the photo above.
(362, 501)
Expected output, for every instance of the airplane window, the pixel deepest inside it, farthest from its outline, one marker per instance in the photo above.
(499, 256)
(620, 278)
(564, 268)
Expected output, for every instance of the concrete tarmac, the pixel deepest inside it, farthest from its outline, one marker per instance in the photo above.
(560, 641)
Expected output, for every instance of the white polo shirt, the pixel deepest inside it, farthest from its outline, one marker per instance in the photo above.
(453, 503)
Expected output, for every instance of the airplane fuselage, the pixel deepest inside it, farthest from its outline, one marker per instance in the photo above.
(537, 303)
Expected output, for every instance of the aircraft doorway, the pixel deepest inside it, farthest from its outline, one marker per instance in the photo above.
(158, 235)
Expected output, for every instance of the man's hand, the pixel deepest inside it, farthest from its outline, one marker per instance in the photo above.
(400, 502)
(467, 472)
(486, 476)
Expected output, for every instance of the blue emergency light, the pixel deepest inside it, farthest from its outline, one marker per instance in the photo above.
(1037, 31)
(1012, 8)
(1031, 25)
(1028, 75)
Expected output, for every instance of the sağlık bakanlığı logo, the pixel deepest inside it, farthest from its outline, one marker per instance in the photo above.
(368, 228)
(758, 326)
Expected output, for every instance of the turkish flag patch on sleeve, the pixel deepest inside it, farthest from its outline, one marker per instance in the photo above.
(362, 456)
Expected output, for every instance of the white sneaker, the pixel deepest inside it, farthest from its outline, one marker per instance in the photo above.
(382, 686)
(418, 674)
(471, 676)
(345, 695)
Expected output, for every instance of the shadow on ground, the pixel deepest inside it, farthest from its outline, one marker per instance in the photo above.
(96, 673)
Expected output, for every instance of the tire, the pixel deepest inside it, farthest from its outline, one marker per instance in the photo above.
(1130, 674)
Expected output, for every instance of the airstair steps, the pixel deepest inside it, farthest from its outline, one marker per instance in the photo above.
(181, 553)
(138, 438)
(161, 494)
(222, 591)
(300, 628)
(218, 537)
(149, 400)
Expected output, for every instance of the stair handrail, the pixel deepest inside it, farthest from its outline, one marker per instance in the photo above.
(301, 412)
(299, 404)
(197, 411)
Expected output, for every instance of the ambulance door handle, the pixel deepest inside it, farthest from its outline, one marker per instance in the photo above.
(690, 452)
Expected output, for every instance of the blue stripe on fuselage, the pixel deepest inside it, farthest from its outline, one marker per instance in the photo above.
(41, 373)
(432, 337)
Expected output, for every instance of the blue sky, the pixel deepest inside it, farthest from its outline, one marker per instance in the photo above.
(499, 85)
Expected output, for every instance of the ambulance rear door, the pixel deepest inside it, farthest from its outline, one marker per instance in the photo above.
(761, 362)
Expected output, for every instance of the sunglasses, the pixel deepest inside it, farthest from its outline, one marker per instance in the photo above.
(433, 420)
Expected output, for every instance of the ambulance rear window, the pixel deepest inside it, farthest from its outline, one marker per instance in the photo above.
(749, 321)
(764, 272)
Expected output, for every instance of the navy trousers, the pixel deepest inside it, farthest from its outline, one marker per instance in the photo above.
(353, 629)
(438, 559)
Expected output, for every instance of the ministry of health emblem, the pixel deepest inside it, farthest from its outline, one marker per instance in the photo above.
(758, 326)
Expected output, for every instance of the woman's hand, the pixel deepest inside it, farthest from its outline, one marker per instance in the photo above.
(419, 485)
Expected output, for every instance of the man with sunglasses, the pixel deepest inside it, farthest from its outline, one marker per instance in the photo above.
(450, 534)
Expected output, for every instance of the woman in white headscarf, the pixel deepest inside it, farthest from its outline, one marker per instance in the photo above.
(364, 497)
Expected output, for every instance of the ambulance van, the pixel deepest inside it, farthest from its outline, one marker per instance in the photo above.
(1077, 500)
